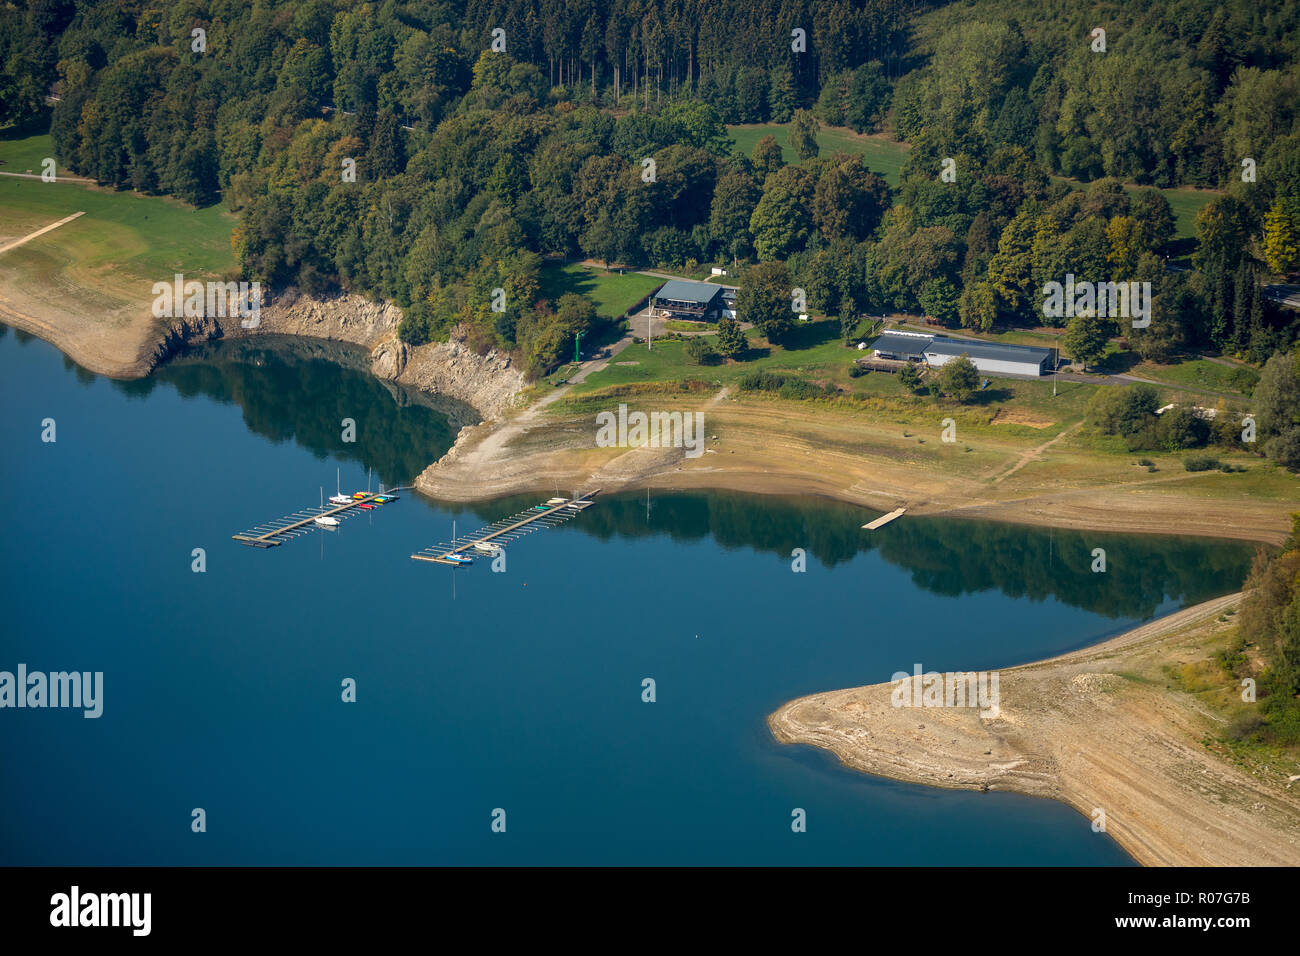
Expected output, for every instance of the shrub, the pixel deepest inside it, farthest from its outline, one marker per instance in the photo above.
(701, 352)
(856, 371)
(1200, 463)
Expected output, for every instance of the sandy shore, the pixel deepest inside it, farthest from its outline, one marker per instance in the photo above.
(761, 446)
(1096, 729)
(764, 446)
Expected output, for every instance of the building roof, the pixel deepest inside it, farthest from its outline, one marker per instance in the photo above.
(941, 345)
(683, 290)
(908, 342)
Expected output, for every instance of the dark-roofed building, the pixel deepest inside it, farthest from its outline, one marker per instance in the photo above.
(992, 358)
(902, 346)
(683, 299)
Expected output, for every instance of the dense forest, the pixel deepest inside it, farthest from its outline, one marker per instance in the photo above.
(1270, 621)
(433, 153)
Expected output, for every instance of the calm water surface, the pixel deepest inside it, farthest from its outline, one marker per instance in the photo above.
(477, 690)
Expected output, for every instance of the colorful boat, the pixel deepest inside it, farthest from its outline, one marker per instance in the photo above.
(367, 506)
(459, 559)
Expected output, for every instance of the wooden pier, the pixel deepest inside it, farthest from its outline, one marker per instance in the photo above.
(278, 531)
(883, 520)
(503, 532)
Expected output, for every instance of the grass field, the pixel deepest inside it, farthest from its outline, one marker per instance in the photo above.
(1201, 373)
(121, 237)
(884, 156)
(612, 293)
(1184, 201)
(818, 356)
(24, 154)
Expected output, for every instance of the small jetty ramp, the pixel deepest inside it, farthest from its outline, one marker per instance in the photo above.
(884, 519)
(278, 531)
(487, 541)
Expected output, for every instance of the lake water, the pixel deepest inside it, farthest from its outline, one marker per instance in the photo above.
(478, 690)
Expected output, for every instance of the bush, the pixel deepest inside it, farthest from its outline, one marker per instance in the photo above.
(1123, 411)
(785, 386)
(1180, 427)
(1145, 462)
(1200, 463)
(856, 371)
(701, 352)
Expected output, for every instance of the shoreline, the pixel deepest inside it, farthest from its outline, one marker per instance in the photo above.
(1088, 728)
(516, 452)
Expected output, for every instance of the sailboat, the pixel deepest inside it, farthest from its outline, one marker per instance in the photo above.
(325, 521)
(340, 498)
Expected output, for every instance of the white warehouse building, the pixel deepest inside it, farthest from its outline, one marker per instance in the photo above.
(991, 358)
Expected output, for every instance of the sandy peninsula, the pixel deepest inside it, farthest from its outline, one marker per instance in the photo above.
(1097, 729)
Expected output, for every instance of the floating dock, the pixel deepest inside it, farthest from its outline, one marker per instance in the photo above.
(500, 533)
(278, 531)
(883, 520)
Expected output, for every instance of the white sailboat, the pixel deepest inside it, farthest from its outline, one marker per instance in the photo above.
(340, 498)
(325, 521)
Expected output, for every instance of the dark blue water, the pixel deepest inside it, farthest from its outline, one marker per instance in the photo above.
(478, 690)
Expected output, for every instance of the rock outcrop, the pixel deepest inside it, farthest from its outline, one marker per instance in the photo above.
(488, 382)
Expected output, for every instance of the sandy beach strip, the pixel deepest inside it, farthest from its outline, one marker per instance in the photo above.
(1097, 729)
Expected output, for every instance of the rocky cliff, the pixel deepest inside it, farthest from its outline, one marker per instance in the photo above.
(488, 382)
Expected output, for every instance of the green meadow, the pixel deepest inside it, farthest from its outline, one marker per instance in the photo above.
(883, 155)
(122, 235)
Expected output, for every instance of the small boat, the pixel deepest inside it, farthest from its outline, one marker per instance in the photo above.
(366, 506)
(459, 559)
(381, 499)
(338, 498)
(325, 521)
(552, 502)
(540, 508)
(358, 496)
(487, 547)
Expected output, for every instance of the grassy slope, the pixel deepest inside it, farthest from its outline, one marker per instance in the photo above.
(122, 245)
(884, 155)
(612, 293)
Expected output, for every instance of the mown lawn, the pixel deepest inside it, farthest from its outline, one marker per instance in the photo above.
(884, 156)
(24, 154)
(122, 236)
(1201, 373)
(818, 356)
(612, 293)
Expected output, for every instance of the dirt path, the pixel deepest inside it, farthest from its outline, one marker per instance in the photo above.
(1036, 454)
(40, 232)
(1098, 729)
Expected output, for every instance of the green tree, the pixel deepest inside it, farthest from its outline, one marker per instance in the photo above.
(780, 222)
(1087, 336)
(1277, 409)
(959, 378)
(731, 338)
(910, 377)
(700, 351)
(767, 155)
(941, 300)
(1282, 236)
(803, 134)
(764, 300)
